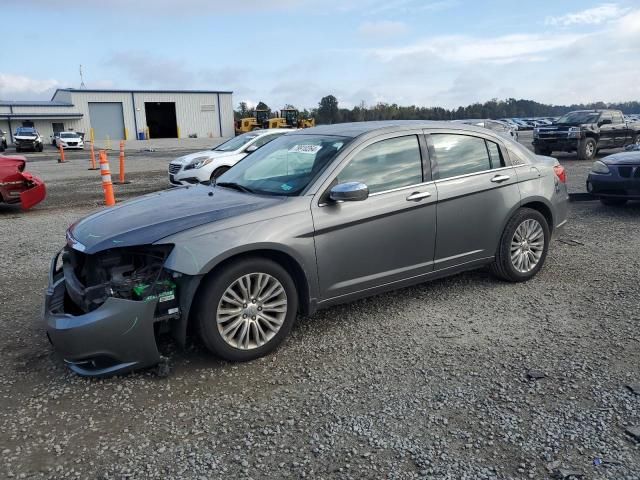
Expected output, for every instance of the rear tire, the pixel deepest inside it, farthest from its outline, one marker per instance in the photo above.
(526, 238)
(613, 202)
(587, 149)
(215, 316)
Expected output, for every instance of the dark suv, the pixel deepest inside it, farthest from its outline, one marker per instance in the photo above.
(586, 132)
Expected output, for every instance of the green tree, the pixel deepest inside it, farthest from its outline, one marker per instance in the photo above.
(243, 110)
(328, 110)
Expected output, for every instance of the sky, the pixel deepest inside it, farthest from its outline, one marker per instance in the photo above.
(424, 52)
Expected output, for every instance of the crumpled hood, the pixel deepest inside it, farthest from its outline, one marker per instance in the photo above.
(622, 158)
(25, 137)
(205, 153)
(150, 218)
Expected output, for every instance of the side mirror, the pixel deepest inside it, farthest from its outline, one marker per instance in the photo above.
(349, 192)
(606, 121)
(251, 148)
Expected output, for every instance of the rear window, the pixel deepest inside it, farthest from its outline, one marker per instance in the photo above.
(460, 154)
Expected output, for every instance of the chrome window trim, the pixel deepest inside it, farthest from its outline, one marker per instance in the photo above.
(472, 174)
(415, 185)
(393, 190)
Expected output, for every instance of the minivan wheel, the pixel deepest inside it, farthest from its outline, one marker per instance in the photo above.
(246, 309)
(523, 246)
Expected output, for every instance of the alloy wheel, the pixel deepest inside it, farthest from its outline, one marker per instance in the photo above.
(251, 311)
(527, 245)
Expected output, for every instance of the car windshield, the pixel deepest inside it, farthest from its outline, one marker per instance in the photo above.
(68, 135)
(284, 166)
(579, 117)
(26, 131)
(236, 142)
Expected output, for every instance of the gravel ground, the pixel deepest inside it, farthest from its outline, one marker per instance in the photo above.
(461, 378)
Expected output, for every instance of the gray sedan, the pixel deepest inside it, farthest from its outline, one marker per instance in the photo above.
(317, 217)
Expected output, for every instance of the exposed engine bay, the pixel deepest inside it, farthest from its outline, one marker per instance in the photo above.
(131, 273)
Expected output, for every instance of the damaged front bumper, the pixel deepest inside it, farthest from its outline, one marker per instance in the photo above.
(116, 337)
(35, 192)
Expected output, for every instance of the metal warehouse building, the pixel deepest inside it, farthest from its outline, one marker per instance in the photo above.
(124, 114)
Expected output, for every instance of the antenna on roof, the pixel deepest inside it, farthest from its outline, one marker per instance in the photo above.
(82, 85)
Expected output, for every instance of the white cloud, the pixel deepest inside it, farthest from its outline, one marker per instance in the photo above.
(383, 29)
(12, 86)
(466, 49)
(591, 16)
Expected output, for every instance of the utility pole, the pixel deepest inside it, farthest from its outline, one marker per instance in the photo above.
(82, 85)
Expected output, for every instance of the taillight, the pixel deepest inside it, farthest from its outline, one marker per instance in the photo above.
(561, 173)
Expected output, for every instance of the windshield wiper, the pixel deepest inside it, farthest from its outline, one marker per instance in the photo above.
(235, 186)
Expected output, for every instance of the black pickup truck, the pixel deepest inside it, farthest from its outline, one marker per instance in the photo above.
(586, 132)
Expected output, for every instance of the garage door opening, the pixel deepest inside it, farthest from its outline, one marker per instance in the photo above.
(107, 120)
(161, 119)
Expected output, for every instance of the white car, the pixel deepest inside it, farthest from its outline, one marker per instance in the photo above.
(502, 128)
(69, 140)
(202, 167)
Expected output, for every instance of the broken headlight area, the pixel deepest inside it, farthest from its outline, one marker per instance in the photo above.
(130, 273)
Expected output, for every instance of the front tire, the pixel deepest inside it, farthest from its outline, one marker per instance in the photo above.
(217, 172)
(245, 310)
(613, 202)
(587, 149)
(523, 246)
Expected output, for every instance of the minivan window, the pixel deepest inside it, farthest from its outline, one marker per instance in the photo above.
(460, 154)
(386, 165)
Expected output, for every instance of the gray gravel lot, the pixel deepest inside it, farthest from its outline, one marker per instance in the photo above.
(461, 378)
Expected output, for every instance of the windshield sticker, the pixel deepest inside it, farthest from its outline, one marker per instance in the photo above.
(311, 149)
(286, 187)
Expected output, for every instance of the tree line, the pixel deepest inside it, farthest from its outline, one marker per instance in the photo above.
(329, 111)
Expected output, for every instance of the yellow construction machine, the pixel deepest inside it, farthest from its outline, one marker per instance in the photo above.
(289, 118)
(258, 122)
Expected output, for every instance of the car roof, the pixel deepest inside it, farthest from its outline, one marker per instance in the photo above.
(356, 129)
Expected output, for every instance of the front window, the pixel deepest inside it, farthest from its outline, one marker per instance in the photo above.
(284, 166)
(236, 142)
(579, 117)
(69, 135)
(385, 165)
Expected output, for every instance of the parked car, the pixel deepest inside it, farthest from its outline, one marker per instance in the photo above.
(3, 140)
(18, 186)
(68, 140)
(316, 217)
(27, 138)
(586, 132)
(501, 128)
(205, 166)
(615, 179)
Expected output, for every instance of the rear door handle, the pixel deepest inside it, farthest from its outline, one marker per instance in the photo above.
(500, 178)
(417, 196)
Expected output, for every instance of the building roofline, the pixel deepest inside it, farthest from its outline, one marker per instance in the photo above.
(28, 103)
(89, 90)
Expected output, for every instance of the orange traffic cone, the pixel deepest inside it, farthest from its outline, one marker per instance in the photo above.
(107, 186)
(93, 159)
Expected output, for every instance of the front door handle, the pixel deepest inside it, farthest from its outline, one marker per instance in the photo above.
(417, 196)
(500, 178)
